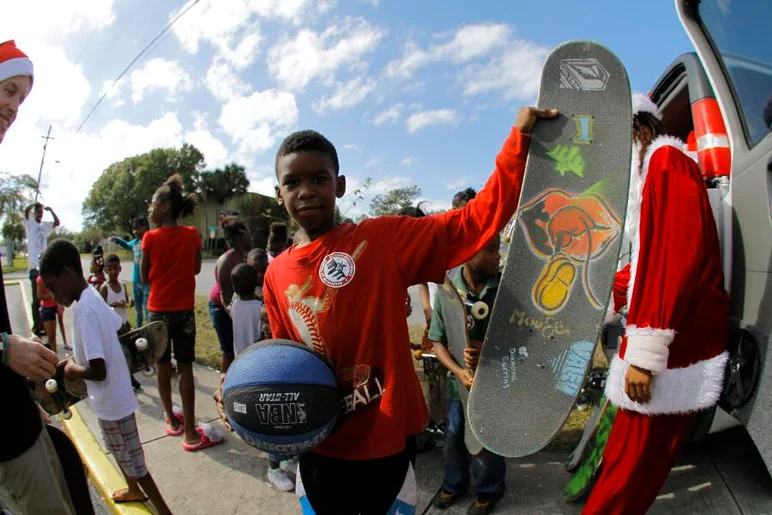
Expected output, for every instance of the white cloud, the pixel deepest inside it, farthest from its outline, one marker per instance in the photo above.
(263, 186)
(392, 114)
(429, 205)
(463, 182)
(291, 10)
(352, 146)
(257, 121)
(516, 73)
(352, 207)
(347, 95)
(310, 55)
(49, 20)
(423, 119)
(407, 162)
(373, 161)
(231, 27)
(223, 82)
(113, 93)
(159, 73)
(214, 151)
(469, 42)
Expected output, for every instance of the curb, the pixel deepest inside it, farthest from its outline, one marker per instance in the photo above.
(105, 476)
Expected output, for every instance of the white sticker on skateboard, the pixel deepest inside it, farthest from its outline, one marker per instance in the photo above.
(569, 367)
(583, 74)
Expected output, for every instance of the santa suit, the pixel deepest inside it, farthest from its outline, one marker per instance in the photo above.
(677, 327)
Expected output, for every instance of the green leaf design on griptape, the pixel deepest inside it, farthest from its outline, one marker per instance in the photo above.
(568, 159)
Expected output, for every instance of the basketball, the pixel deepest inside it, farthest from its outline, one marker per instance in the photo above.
(281, 397)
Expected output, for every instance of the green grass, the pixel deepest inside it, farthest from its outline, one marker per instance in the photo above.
(19, 264)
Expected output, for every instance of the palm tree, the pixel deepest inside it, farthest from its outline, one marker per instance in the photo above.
(222, 185)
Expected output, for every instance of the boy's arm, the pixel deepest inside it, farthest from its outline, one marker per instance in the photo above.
(57, 222)
(198, 261)
(94, 371)
(103, 291)
(426, 247)
(41, 294)
(144, 266)
(423, 290)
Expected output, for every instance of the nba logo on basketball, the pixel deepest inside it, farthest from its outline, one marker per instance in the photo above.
(337, 269)
(281, 414)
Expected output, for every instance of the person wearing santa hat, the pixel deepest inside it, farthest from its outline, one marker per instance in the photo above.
(671, 361)
(31, 478)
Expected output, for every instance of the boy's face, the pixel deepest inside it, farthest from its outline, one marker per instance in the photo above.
(94, 268)
(265, 324)
(62, 286)
(260, 268)
(139, 231)
(13, 91)
(486, 262)
(113, 270)
(308, 187)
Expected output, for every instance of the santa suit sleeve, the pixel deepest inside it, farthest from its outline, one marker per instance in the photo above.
(666, 260)
(618, 293)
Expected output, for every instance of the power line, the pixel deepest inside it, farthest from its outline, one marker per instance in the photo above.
(43, 160)
(104, 95)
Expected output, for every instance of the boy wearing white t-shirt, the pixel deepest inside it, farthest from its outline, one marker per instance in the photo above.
(99, 361)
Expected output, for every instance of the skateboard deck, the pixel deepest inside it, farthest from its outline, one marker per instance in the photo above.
(564, 249)
(592, 454)
(73, 469)
(156, 338)
(455, 316)
(58, 394)
(577, 455)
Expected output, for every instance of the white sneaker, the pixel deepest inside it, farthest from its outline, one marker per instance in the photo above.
(278, 479)
(290, 466)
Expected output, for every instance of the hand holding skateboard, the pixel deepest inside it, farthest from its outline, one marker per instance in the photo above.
(528, 116)
(28, 357)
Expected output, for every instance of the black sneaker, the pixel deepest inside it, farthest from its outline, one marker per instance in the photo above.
(135, 384)
(444, 499)
(484, 504)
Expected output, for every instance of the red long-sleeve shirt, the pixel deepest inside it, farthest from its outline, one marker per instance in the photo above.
(344, 295)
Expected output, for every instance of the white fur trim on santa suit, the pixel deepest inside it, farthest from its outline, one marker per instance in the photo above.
(15, 67)
(675, 390)
(643, 104)
(637, 182)
(647, 347)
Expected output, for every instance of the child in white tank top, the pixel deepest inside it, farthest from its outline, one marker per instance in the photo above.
(114, 291)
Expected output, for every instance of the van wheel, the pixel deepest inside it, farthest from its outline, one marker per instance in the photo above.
(742, 370)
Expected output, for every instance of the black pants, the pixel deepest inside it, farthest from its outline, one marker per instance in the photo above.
(355, 487)
(37, 323)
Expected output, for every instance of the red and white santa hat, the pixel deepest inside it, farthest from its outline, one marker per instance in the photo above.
(13, 62)
(643, 104)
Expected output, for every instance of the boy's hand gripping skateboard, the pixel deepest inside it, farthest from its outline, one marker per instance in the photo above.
(57, 395)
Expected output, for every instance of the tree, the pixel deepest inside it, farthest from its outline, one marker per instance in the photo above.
(125, 188)
(222, 185)
(391, 202)
(16, 192)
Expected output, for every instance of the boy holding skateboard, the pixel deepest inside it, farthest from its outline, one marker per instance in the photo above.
(314, 294)
(99, 361)
(479, 280)
(671, 361)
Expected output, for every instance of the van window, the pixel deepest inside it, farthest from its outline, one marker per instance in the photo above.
(740, 33)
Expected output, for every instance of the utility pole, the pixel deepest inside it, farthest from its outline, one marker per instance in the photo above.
(40, 173)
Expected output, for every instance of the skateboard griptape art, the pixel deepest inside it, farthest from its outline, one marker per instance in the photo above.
(565, 244)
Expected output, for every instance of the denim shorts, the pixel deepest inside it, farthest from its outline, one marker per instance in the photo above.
(48, 314)
(181, 326)
(223, 326)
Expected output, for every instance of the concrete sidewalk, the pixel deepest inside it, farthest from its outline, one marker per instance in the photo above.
(723, 474)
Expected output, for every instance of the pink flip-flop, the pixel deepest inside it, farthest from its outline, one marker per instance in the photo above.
(180, 419)
(209, 438)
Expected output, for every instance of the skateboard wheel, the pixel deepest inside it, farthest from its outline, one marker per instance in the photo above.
(479, 310)
(141, 344)
(66, 414)
(52, 386)
(149, 371)
(418, 354)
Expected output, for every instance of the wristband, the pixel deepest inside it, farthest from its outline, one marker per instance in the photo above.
(6, 349)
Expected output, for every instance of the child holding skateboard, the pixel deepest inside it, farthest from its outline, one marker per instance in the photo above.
(672, 358)
(115, 294)
(314, 294)
(141, 291)
(171, 259)
(479, 280)
(99, 361)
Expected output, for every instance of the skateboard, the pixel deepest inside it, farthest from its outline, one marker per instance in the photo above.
(73, 469)
(454, 307)
(144, 346)
(591, 453)
(58, 394)
(577, 455)
(564, 248)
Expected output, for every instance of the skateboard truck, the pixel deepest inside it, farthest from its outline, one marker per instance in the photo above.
(52, 387)
(479, 309)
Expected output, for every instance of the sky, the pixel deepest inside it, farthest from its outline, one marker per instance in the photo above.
(410, 92)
